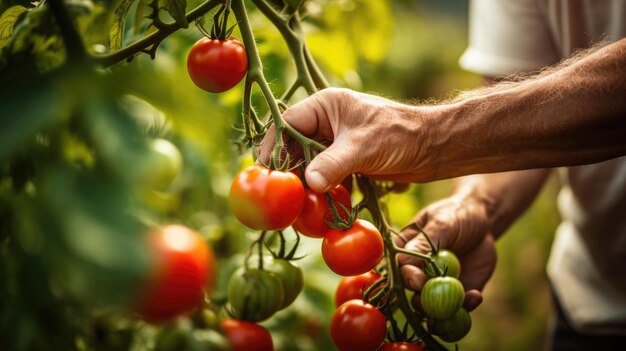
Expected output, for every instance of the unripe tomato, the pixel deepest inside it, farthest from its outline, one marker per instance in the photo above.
(316, 211)
(217, 65)
(254, 295)
(185, 267)
(400, 346)
(353, 287)
(442, 297)
(453, 329)
(447, 262)
(353, 251)
(264, 199)
(358, 326)
(162, 165)
(290, 276)
(247, 336)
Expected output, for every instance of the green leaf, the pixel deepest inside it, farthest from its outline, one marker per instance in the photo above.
(7, 21)
(176, 9)
(139, 12)
(116, 35)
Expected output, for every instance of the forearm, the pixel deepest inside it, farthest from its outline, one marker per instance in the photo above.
(505, 196)
(573, 114)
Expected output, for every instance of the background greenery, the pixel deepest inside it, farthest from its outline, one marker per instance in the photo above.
(72, 144)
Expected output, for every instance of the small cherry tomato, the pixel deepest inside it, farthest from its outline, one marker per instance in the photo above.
(353, 287)
(185, 267)
(247, 336)
(264, 199)
(442, 297)
(317, 212)
(453, 329)
(217, 65)
(400, 346)
(358, 326)
(254, 295)
(353, 251)
(447, 262)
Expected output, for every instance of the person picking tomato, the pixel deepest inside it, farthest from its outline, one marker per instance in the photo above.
(570, 114)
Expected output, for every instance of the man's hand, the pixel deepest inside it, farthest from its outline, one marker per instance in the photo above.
(461, 226)
(367, 134)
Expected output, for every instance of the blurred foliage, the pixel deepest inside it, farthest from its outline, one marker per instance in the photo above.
(74, 145)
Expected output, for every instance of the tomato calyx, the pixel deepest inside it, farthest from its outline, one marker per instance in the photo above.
(338, 221)
(219, 29)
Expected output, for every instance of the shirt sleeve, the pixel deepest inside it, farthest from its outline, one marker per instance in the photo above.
(506, 37)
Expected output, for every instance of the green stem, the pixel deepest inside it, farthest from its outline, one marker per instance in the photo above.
(255, 73)
(154, 38)
(316, 73)
(294, 43)
(372, 202)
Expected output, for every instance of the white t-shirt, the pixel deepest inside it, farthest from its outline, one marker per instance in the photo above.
(587, 265)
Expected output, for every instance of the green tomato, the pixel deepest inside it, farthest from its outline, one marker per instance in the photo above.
(163, 163)
(442, 297)
(453, 329)
(290, 277)
(447, 262)
(254, 295)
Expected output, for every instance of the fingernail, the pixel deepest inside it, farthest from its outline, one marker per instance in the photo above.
(316, 180)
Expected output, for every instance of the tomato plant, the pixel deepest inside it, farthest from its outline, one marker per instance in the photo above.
(290, 276)
(452, 329)
(217, 65)
(184, 267)
(247, 336)
(353, 251)
(317, 212)
(353, 287)
(265, 199)
(400, 346)
(442, 297)
(358, 325)
(255, 294)
(163, 164)
(447, 262)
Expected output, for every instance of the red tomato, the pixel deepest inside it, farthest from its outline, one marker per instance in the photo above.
(400, 346)
(353, 287)
(264, 199)
(316, 211)
(353, 251)
(247, 336)
(185, 267)
(358, 325)
(217, 65)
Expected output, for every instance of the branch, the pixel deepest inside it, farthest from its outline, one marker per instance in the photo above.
(153, 38)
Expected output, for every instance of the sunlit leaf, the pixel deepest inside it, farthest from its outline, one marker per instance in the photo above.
(116, 35)
(176, 9)
(139, 13)
(7, 21)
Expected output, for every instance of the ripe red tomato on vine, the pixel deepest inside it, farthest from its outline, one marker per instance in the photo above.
(265, 199)
(358, 325)
(353, 287)
(246, 336)
(185, 267)
(353, 251)
(317, 212)
(217, 65)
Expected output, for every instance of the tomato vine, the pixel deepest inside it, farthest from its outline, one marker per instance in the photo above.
(387, 291)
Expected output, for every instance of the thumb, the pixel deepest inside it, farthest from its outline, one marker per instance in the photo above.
(330, 167)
